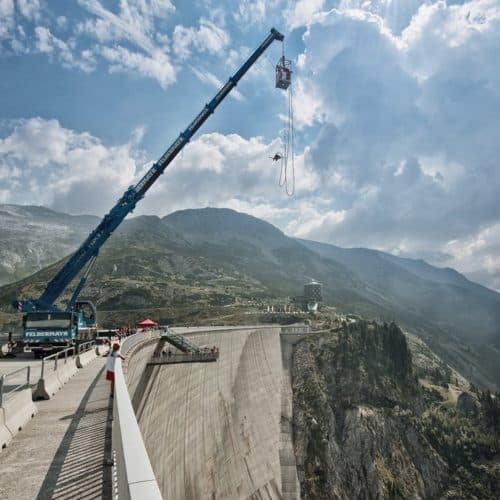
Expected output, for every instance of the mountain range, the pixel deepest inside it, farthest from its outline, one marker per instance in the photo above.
(192, 260)
(34, 237)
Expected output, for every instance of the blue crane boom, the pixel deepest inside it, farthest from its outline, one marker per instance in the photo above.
(89, 249)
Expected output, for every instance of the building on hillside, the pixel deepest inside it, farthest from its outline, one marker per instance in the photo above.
(313, 295)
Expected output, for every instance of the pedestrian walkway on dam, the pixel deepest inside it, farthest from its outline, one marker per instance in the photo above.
(61, 453)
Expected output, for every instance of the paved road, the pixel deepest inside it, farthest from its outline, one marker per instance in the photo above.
(60, 453)
(8, 365)
(212, 430)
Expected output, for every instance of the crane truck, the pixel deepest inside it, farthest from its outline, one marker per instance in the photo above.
(48, 327)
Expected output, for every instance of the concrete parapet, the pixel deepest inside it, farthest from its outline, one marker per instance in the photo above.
(65, 370)
(47, 385)
(5, 434)
(135, 476)
(19, 409)
(84, 358)
(54, 377)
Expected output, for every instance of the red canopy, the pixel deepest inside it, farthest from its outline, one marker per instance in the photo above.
(146, 323)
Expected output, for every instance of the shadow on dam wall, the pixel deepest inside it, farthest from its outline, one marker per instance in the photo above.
(219, 430)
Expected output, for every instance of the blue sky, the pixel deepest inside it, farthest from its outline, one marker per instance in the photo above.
(396, 102)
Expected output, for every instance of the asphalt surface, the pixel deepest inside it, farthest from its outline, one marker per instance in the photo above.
(60, 453)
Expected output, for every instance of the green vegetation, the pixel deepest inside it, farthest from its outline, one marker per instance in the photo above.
(363, 404)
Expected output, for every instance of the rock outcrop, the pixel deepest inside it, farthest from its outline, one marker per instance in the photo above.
(366, 427)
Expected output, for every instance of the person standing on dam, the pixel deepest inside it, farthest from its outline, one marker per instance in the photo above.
(110, 366)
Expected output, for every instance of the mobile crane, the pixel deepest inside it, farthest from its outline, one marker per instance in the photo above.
(46, 326)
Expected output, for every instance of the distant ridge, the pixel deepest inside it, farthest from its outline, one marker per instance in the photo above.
(196, 257)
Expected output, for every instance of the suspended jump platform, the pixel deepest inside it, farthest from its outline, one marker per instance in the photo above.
(182, 351)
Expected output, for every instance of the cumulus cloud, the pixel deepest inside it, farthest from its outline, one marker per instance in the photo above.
(214, 169)
(302, 12)
(206, 76)
(206, 38)
(478, 255)
(30, 9)
(156, 66)
(47, 164)
(12, 33)
(248, 12)
(404, 113)
(42, 162)
(47, 43)
(128, 40)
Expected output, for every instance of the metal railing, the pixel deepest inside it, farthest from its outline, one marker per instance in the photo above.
(294, 329)
(180, 342)
(56, 357)
(184, 357)
(7, 389)
(85, 346)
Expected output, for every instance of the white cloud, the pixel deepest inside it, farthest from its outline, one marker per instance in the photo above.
(206, 77)
(402, 112)
(207, 38)
(129, 40)
(308, 105)
(61, 21)
(12, 33)
(50, 165)
(30, 9)
(302, 12)
(478, 255)
(47, 43)
(130, 25)
(311, 219)
(41, 162)
(157, 66)
(248, 12)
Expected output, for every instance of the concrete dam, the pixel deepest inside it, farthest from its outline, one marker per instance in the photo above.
(219, 430)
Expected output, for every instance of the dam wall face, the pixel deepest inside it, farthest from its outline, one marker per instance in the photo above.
(216, 430)
(212, 429)
(290, 486)
(135, 368)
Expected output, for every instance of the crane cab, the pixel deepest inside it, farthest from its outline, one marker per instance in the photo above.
(283, 73)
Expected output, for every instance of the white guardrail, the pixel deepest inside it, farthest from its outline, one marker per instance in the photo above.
(56, 370)
(16, 404)
(7, 388)
(135, 476)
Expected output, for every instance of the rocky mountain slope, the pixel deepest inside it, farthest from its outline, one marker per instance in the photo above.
(35, 237)
(194, 261)
(372, 422)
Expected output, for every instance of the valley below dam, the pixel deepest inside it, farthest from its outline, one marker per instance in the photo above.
(219, 430)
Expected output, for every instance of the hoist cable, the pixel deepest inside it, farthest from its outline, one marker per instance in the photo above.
(287, 171)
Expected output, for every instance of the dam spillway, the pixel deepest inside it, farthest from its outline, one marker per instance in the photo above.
(215, 430)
